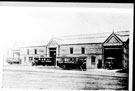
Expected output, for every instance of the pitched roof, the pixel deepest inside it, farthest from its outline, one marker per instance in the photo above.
(123, 35)
(90, 38)
(30, 44)
(77, 39)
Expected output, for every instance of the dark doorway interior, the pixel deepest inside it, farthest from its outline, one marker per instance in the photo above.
(116, 54)
(99, 63)
(52, 52)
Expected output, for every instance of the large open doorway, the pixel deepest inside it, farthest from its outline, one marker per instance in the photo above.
(52, 52)
(114, 56)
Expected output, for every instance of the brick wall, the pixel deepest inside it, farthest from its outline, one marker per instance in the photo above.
(89, 49)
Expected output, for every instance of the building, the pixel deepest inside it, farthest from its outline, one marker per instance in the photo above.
(96, 48)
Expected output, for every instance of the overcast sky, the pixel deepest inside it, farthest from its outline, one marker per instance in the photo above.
(27, 24)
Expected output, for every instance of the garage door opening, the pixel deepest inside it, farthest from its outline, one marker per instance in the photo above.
(113, 57)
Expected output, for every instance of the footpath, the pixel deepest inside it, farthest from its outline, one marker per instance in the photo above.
(96, 72)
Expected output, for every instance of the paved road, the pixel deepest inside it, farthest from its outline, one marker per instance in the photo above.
(58, 80)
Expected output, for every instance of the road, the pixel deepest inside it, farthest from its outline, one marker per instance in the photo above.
(58, 80)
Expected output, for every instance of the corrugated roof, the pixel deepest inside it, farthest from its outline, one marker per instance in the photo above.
(91, 38)
(123, 35)
(77, 39)
(85, 36)
(84, 40)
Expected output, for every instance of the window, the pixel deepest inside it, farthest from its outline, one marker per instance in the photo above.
(24, 59)
(93, 60)
(35, 51)
(30, 58)
(71, 59)
(71, 50)
(28, 51)
(83, 50)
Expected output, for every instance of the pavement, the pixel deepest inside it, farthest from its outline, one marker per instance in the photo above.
(96, 72)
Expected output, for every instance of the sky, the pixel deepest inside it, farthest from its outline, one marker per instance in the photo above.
(30, 24)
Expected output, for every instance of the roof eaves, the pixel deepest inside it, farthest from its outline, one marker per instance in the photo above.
(81, 43)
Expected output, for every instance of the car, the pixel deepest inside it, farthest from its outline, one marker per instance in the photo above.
(108, 64)
(13, 60)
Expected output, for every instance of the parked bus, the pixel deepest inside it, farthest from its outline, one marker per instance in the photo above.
(42, 61)
(70, 63)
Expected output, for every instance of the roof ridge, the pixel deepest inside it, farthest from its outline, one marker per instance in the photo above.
(123, 31)
(122, 35)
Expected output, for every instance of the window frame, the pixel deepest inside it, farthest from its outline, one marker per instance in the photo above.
(35, 51)
(82, 50)
(93, 60)
(71, 50)
(30, 58)
(28, 52)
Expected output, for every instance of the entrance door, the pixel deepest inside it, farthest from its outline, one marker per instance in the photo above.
(52, 52)
(99, 63)
(116, 54)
